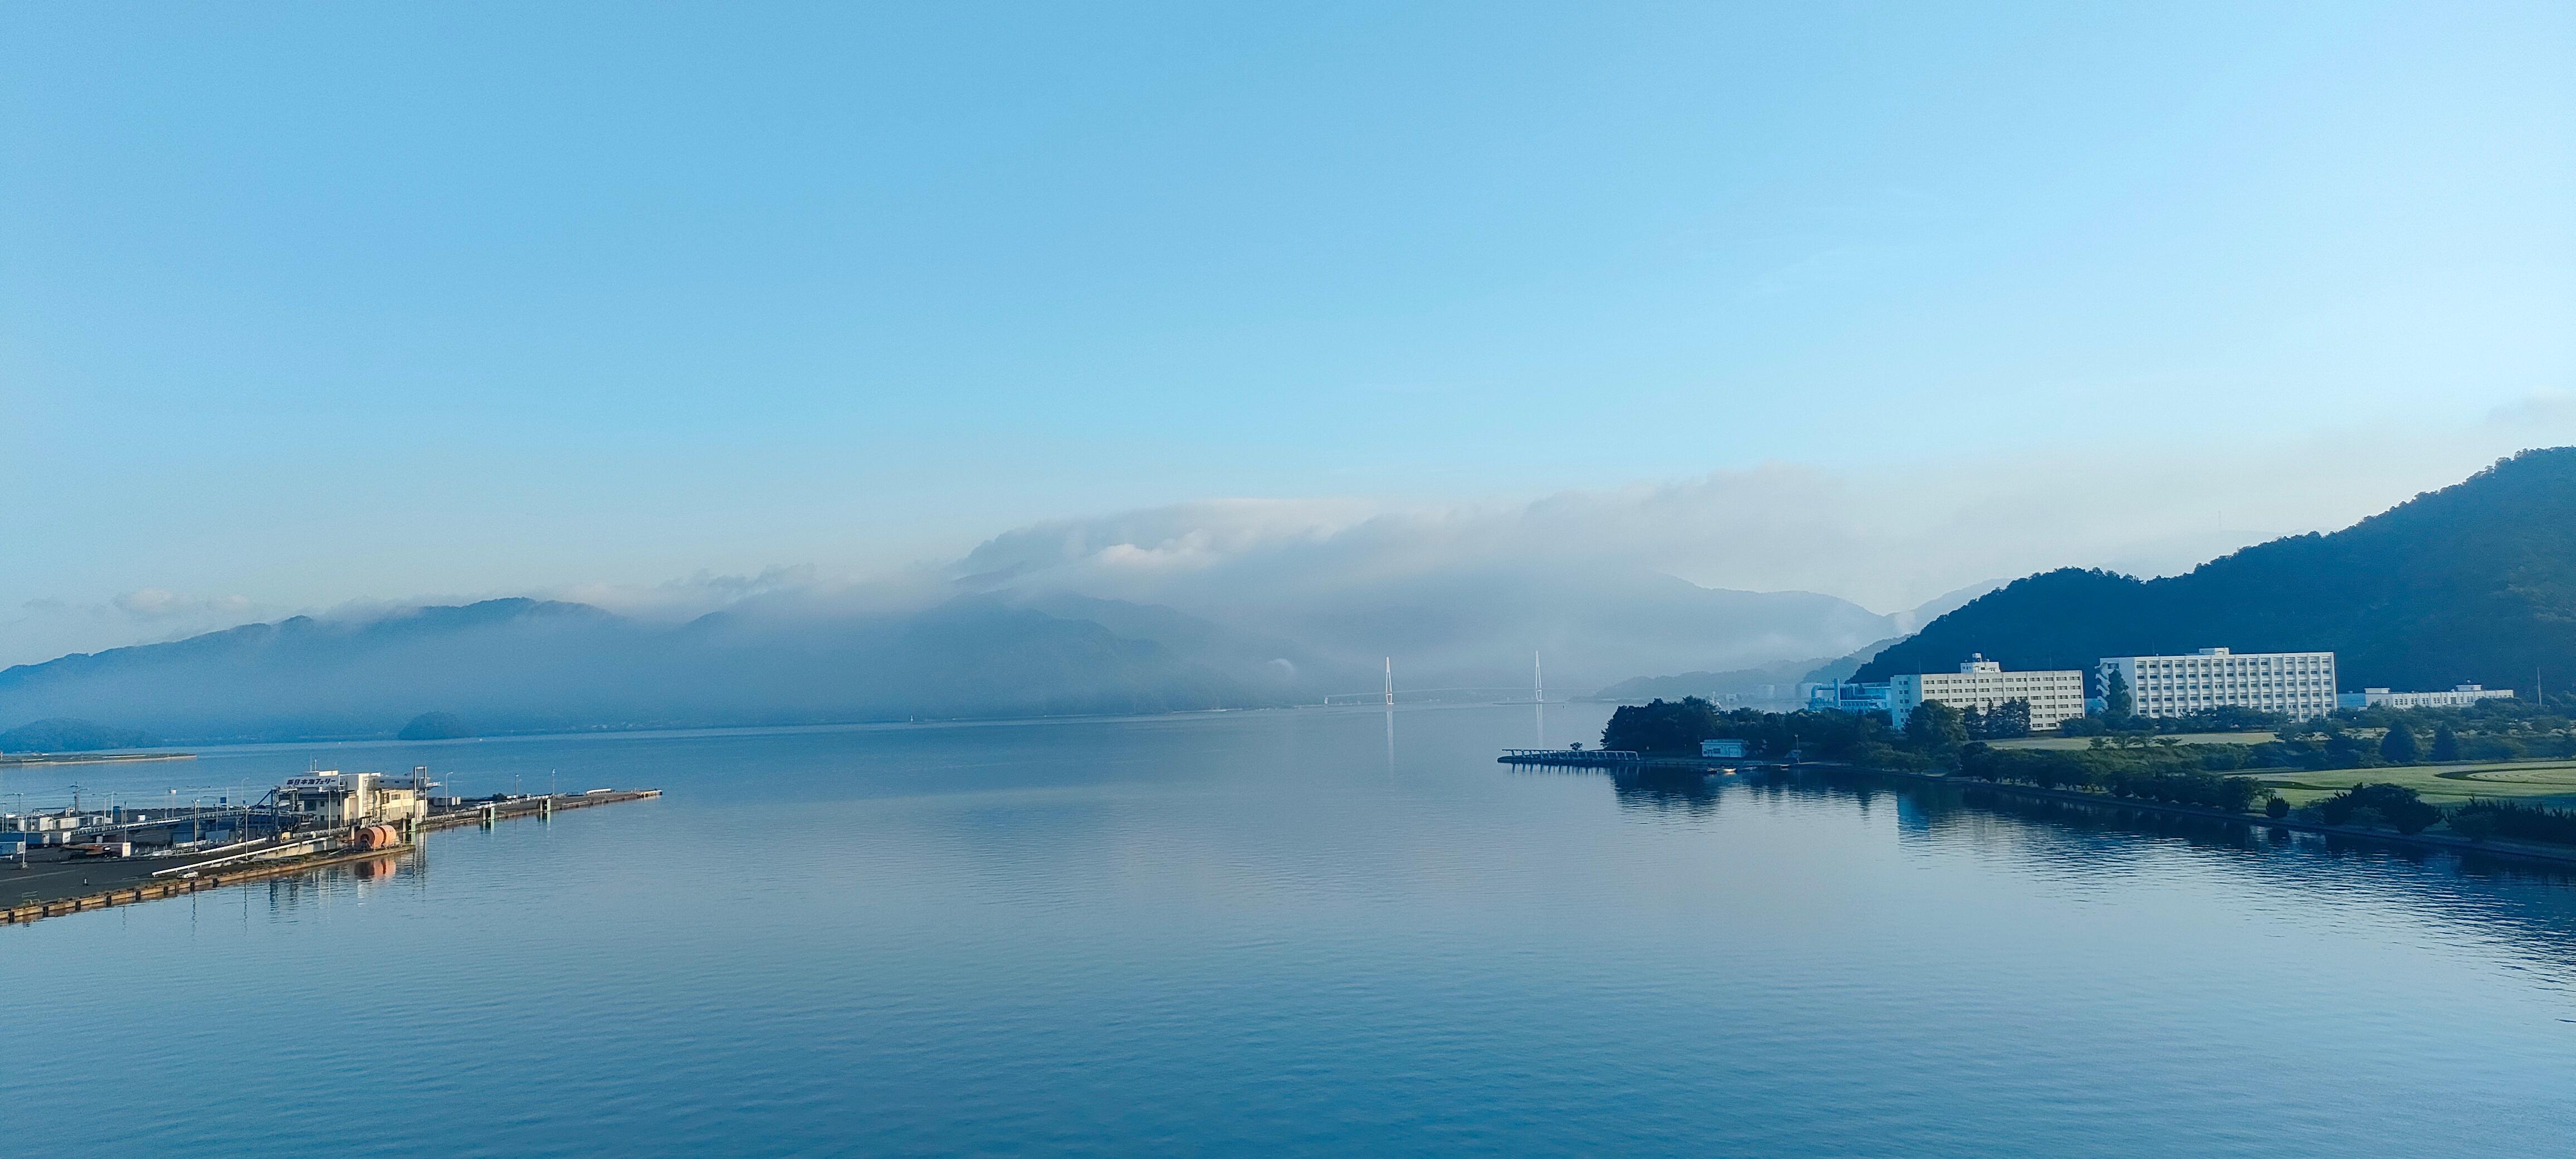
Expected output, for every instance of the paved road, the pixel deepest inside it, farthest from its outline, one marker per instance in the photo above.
(54, 880)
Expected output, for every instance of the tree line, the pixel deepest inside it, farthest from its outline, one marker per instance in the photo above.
(1936, 737)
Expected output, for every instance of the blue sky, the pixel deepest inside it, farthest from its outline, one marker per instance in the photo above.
(307, 303)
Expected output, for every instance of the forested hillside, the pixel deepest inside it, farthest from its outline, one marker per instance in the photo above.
(2473, 582)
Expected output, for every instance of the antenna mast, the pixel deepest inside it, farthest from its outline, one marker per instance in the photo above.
(1390, 682)
(1538, 681)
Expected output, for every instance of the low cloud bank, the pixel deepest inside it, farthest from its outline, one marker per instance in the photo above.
(1888, 539)
(1278, 599)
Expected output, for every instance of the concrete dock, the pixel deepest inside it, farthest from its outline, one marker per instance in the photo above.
(1620, 761)
(50, 888)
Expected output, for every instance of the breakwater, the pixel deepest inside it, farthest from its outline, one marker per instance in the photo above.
(1621, 759)
(30, 760)
(150, 879)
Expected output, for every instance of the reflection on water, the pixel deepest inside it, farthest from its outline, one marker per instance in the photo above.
(1286, 933)
(2507, 897)
(1664, 791)
(349, 881)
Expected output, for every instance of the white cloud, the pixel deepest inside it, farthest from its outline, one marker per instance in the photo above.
(696, 595)
(2550, 410)
(164, 604)
(49, 627)
(1175, 538)
(1885, 538)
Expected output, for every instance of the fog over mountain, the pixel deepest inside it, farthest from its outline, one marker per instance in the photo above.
(1030, 645)
(1235, 603)
(1456, 598)
(1218, 606)
(1887, 536)
(529, 665)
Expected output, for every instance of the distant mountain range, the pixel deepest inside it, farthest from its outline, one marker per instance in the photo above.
(1778, 681)
(1010, 650)
(2474, 582)
(1773, 683)
(59, 734)
(525, 665)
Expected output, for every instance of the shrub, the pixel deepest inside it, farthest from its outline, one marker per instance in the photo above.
(2490, 747)
(2276, 808)
(2398, 747)
(2345, 751)
(2516, 820)
(2394, 805)
(2177, 774)
(1935, 729)
(2009, 719)
(2082, 726)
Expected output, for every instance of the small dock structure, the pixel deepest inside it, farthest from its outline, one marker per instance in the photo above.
(1622, 761)
(1574, 758)
(63, 865)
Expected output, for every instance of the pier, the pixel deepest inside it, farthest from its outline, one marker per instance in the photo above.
(1577, 758)
(14, 760)
(55, 888)
(1625, 760)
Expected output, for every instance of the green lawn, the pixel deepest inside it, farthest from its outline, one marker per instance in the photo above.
(2082, 742)
(2542, 782)
(2549, 782)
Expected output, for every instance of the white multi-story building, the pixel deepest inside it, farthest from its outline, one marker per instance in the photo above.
(2295, 684)
(1983, 684)
(2460, 696)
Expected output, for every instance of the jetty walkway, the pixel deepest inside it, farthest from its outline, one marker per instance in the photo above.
(51, 889)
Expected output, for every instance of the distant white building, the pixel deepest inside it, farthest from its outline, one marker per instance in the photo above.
(2460, 696)
(1855, 698)
(2053, 695)
(356, 799)
(2296, 684)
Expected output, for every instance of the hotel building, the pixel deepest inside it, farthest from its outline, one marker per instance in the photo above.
(2295, 684)
(2460, 696)
(1984, 685)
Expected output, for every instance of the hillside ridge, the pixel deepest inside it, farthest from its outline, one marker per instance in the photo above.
(2472, 582)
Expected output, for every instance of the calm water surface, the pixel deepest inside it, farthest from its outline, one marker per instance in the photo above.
(1281, 933)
